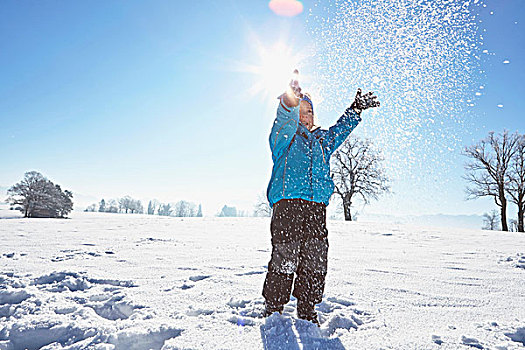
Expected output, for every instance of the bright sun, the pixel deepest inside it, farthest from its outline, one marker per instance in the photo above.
(273, 70)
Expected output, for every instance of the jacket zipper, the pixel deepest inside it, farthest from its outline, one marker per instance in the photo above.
(312, 169)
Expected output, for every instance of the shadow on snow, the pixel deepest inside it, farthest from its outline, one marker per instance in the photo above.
(283, 333)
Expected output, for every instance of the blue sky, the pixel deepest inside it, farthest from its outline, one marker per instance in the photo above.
(109, 98)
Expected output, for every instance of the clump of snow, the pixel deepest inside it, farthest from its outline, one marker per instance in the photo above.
(137, 338)
(238, 302)
(11, 296)
(341, 322)
(115, 308)
(340, 301)
(241, 321)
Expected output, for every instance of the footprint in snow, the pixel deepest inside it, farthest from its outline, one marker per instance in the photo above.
(521, 261)
(518, 336)
(471, 342)
(60, 281)
(437, 339)
(186, 286)
(335, 314)
(199, 278)
(250, 273)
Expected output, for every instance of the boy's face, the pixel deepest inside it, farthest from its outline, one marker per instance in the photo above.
(306, 115)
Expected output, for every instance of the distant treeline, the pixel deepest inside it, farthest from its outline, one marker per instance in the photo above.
(128, 205)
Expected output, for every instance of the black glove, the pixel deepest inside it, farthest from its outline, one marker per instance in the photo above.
(363, 102)
(294, 85)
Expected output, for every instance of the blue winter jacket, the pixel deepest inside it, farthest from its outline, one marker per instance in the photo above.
(301, 159)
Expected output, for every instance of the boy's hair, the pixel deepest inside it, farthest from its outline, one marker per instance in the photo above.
(308, 98)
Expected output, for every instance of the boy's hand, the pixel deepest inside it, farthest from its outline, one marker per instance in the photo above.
(293, 95)
(294, 84)
(363, 102)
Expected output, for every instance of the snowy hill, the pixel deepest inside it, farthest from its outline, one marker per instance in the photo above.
(105, 281)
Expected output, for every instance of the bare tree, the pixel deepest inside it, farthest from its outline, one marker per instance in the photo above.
(130, 205)
(136, 206)
(184, 209)
(491, 220)
(102, 206)
(39, 197)
(152, 206)
(124, 204)
(165, 209)
(516, 180)
(26, 193)
(111, 206)
(262, 206)
(357, 171)
(180, 209)
(488, 170)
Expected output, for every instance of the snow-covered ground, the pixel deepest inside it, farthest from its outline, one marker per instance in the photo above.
(110, 281)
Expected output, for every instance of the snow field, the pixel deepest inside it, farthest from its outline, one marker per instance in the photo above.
(110, 281)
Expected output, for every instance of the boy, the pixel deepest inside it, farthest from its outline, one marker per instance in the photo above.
(299, 191)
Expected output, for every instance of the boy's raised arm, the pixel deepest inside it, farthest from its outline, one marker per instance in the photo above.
(287, 119)
(338, 133)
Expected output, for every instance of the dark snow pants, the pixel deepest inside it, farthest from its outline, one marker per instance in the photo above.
(300, 246)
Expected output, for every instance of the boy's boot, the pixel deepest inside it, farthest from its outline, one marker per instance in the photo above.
(306, 311)
(269, 309)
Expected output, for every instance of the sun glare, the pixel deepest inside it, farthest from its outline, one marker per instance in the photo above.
(273, 70)
(277, 65)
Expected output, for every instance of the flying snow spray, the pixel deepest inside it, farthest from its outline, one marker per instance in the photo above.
(422, 59)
